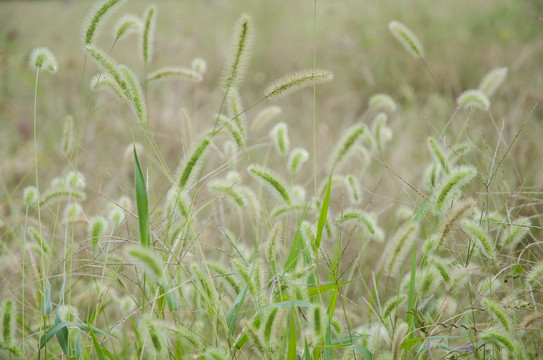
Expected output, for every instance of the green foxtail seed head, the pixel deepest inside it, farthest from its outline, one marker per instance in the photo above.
(229, 189)
(75, 180)
(191, 337)
(457, 179)
(447, 306)
(354, 189)
(346, 144)
(175, 72)
(30, 196)
(438, 154)
(406, 38)
(393, 304)
(43, 59)
(493, 80)
(66, 194)
(72, 211)
(104, 81)
(500, 339)
(126, 25)
(232, 129)
(8, 316)
(271, 180)
(147, 261)
(265, 115)
(97, 228)
(116, 214)
(399, 246)
(110, 66)
(136, 98)
(279, 137)
(191, 165)
(155, 340)
(515, 233)
(298, 156)
(382, 102)
(367, 220)
(234, 107)
(499, 311)
(148, 33)
(96, 17)
(481, 238)
(381, 132)
(292, 82)
(473, 98)
(269, 326)
(242, 39)
(199, 65)
(535, 275)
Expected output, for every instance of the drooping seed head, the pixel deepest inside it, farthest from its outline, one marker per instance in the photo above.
(473, 98)
(96, 17)
(43, 59)
(148, 33)
(406, 38)
(126, 25)
(493, 80)
(30, 196)
(287, 84)
(298, 156)
(380, 102)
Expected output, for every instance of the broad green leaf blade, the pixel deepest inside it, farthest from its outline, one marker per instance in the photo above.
(307, 352)
(362, 351)
(97, 346)
(52, 332)
(292, 336)
(232, 313)
(315, 290)
(46, 305)
(78, 350)
(62, 336)
(296, 248)
(328, 353)
(55, 329)
(323, 214)
(141, 202)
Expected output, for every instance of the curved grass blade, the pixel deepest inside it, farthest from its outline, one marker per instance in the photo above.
(141, 202)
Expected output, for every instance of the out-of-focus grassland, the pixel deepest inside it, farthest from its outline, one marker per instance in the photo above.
(463, 40)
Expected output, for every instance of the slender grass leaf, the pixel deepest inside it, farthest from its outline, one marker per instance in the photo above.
(46, 305)
(141, 202)
(323, 214)
(362, 351)
(297, 246)
(97, 346)
(233, 312)
(292, 336)
(410, 318)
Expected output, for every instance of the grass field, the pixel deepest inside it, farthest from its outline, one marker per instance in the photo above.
(328, 223)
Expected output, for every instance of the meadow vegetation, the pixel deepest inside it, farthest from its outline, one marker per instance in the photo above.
(275, 180)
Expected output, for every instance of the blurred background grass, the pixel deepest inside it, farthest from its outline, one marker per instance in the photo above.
(463, 40)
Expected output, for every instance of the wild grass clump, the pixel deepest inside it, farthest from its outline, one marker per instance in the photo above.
(227, 231)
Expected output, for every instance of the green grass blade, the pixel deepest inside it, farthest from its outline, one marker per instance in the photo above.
(410, 318)
(97, 346)
(46, 305)
(292, 336)
(323, 214)
(233, 312)
(362, 351)
(141, 202)
(296, 248)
